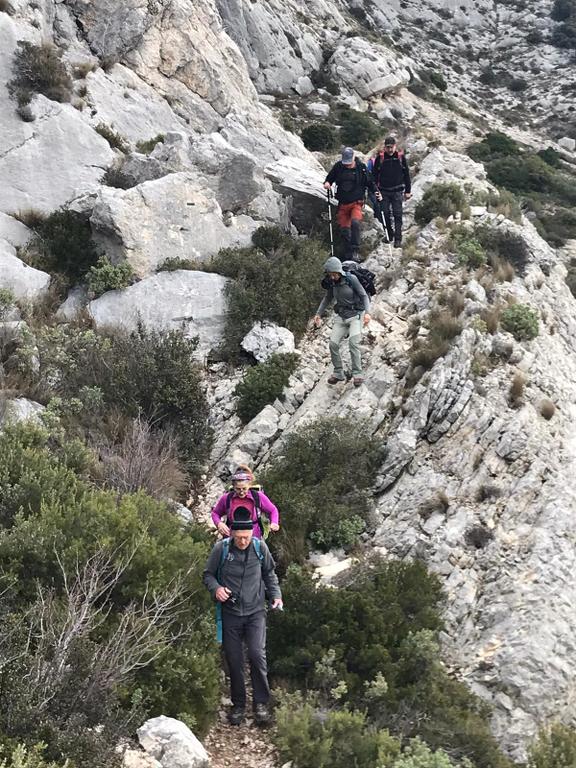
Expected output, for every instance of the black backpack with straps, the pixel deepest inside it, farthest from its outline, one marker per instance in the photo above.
(255, 493)
(365, 277)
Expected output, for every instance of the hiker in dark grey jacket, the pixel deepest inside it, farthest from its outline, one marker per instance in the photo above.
(239, 585)
(352, 305)
(392, 179)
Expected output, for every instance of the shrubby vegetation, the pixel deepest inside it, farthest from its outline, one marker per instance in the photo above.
(114, 139)
(39, 69)
(440, 200)
(105, 276)
(555, 748)
(357, 128)
(271, 282)
(468, 248)
(263, 383)
(102, 380)
(319, 137)
(104, 615)
(320, 483)
(368, 654)
(146, 146)
(521, 321)
(564, 12)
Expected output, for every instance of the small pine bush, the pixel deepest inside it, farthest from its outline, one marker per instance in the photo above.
(268, 238)
(319, 137)
(440, 200)
(105, 276)
(145, 147)
(357, 128)
(263, 383)
(521, 321)
(39, 69)
(468, 248)
(437, 79)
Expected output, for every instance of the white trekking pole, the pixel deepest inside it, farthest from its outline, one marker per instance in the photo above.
(386, 232)
(329, 195)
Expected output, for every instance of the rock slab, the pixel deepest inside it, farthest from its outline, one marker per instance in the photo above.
(172, 743)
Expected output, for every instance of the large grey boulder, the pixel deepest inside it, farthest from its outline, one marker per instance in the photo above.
(442, 166)
(267, 339)
(301, 181)
(25, 282)
(172, 743)
(20, 409)
(172, 217)
(191, 301)
(13, 231)
(367, 69)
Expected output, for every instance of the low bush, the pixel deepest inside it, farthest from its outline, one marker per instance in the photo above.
(6, 302)
(517, 390)
(563, 10)
(521, 174)
(39, 69)
(319, 137)
(505, 245)
(437, 79)
(439, 502)
(550, 156)
(268, 238)
(521, 321)
(534, 37)
(105, 276)
(488, 76)
(145, 147)
(63, 244)
(468, 248)
(555, 748)
(494, 144)
(518, 84)
(557, 227)
(112, 137)
(322, 482)
(443, 328)
(357, 128)
(270, 285)
(263, 383)
(564, 36)
(115, 177)
(24, 757)
(440, 200)
(478, 536)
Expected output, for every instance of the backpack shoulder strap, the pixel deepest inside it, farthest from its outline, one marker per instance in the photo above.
(224, 553)
(255, 493)
(229, 496)
(258, 548)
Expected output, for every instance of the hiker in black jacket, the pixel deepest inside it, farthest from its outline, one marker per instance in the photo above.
(352, 180)
(393, 186)
(239, 573)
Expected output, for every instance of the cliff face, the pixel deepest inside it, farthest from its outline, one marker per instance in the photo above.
(477, 483)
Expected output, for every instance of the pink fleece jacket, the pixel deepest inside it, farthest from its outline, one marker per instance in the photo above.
(266, 506)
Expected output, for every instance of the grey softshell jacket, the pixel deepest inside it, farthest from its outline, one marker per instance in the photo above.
(245, 575)
(349, 295)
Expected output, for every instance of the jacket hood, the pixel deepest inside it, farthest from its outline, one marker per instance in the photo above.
(333, 264)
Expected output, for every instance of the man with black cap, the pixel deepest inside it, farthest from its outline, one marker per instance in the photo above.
(238, 574)
(352, 180)
(393, 186)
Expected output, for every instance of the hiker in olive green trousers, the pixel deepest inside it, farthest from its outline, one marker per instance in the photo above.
(352, 305)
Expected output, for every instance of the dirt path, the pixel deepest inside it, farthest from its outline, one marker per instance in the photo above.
(246, 745)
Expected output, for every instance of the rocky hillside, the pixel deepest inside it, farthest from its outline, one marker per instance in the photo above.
(168, 130)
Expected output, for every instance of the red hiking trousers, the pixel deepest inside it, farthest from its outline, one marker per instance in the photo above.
(349, 212)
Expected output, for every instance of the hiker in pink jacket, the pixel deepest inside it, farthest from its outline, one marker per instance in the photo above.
(242, 495)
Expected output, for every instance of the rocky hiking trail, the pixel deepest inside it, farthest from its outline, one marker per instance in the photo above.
(246, 745)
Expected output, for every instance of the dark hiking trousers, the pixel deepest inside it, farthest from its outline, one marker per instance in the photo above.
(251, 629)
(391, 206)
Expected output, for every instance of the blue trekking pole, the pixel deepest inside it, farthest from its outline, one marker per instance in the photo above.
(329, 194)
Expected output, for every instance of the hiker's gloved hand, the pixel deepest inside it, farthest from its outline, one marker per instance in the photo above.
(274, 527)
(223, 529)
(327, 185)
(277, 604)
(379, 196)
(317, 320)
(407, 195)
(367, 318)
(222, 594)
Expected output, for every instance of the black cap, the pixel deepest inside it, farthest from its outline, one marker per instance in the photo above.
(389, 141)
(242, 520)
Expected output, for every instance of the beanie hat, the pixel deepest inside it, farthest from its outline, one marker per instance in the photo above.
(333, 264)
(242, 520)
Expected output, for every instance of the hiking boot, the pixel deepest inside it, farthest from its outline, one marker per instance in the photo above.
(236, 716)
(261, 714)
(397, 243)
(358, 381)
(334, 379)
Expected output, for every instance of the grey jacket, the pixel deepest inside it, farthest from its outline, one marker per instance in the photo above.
(245, 575)
(349, 295)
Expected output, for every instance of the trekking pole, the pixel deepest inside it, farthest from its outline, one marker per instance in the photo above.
(329, 195)
(386, 233)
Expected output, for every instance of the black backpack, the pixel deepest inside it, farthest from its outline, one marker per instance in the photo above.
(365, 277)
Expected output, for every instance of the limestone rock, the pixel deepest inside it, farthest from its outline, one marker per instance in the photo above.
(368, 69)
(25, 282)
(302, 182)
(73, 305)
(113, 28)
(20, 409)
(267, 339)
(172, 217)
(566, 142)
(13, 231)
(318, 109)
(172, 743)
(136, 758)
(184, 299)
(443, 166)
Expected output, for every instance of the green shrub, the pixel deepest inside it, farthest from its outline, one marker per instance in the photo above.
(6, 302)
(418, 755)
(521, 174)
(384, 662)
(440, 200)
(443, 328)
(468, 248)
(557, 227)
(174, 263)
(534, 37)
(437, 79)
(357, 128)
(319, 137)
(550, 156)
(555, 748)
(263, 383)
(564, 36)
(275, 286)
(504, 245)
(63, 245)
(112, 137)
(563, 10)
(521, 321)
(145, 147)
(339, 739)
(105, 276)
(268, 238)
(517, 84)
(39, 69)
(494, 144)
(23, 757)
(488, 76)
(321, 482)
(152, 373)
